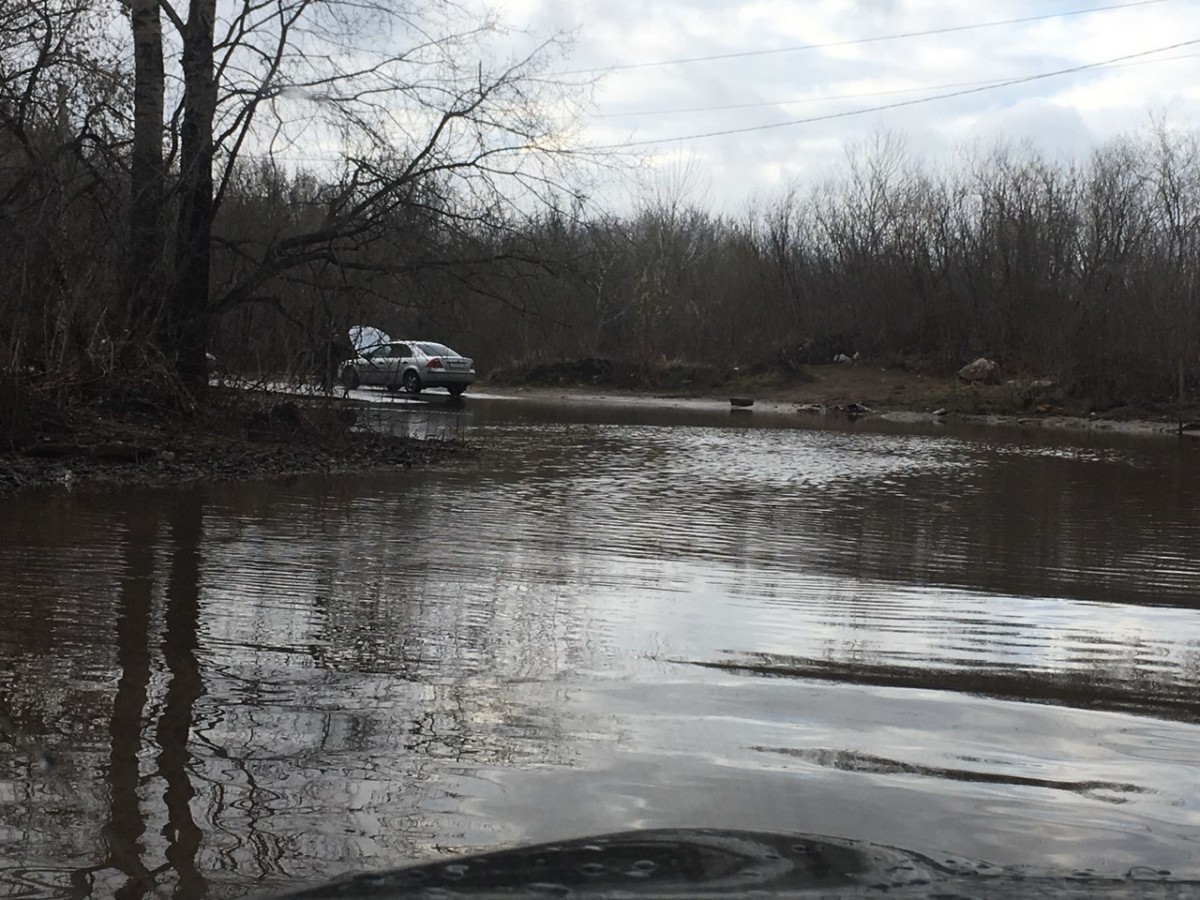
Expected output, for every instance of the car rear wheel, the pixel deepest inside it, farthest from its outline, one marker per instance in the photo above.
(412, 383)
(349, 377)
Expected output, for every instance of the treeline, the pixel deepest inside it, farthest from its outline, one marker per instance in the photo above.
(1087, 272)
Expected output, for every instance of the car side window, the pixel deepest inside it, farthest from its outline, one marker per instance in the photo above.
(401, 350)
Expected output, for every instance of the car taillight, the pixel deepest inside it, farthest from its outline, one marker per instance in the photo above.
(434, 363)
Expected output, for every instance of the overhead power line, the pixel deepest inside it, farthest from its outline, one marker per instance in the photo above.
(867, 40)
(900, 104)
(997, 82)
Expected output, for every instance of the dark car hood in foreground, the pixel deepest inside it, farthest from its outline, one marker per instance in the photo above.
(690, 865)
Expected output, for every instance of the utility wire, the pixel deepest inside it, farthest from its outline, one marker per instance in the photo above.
(860, 95)
(868, 40)
(886, 106)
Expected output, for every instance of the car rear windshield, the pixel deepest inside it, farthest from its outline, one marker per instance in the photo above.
(436, 350)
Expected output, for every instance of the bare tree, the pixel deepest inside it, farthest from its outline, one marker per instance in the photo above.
(443, 126)
(147, 174)
(61, 100)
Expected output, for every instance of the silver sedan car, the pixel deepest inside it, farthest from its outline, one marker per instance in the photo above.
(412, 365)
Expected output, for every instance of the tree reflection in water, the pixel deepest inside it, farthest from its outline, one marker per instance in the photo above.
(125, 826)
(129, 730)
(258, 686)
(174, 730)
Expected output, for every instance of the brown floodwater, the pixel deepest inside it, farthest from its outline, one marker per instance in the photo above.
(963, 641)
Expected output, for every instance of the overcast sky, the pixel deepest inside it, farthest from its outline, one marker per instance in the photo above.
(785, 62)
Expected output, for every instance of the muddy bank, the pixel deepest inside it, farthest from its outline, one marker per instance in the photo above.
(233, 438)
(241, 435)
(861, 388)
(642, 375)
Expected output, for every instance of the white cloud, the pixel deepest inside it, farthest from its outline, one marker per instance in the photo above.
(1066, 114)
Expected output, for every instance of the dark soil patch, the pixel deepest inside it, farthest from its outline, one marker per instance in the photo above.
(883, 385)
(663, 375)
(232, 437)
(610, 373)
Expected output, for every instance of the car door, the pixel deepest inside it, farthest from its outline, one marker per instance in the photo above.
(401, 358)
(375, 365)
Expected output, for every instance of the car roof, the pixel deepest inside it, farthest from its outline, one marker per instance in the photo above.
(395, 341)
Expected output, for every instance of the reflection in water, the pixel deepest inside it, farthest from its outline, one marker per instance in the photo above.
(849, 761)
(980, 644)
(125, 826)
(1094, 686)
(173, 735)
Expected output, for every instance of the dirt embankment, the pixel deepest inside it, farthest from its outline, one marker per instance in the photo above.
(856, 384)
(1026, 398)
(232, 438)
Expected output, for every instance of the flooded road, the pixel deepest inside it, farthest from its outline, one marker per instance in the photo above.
(982, 643)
